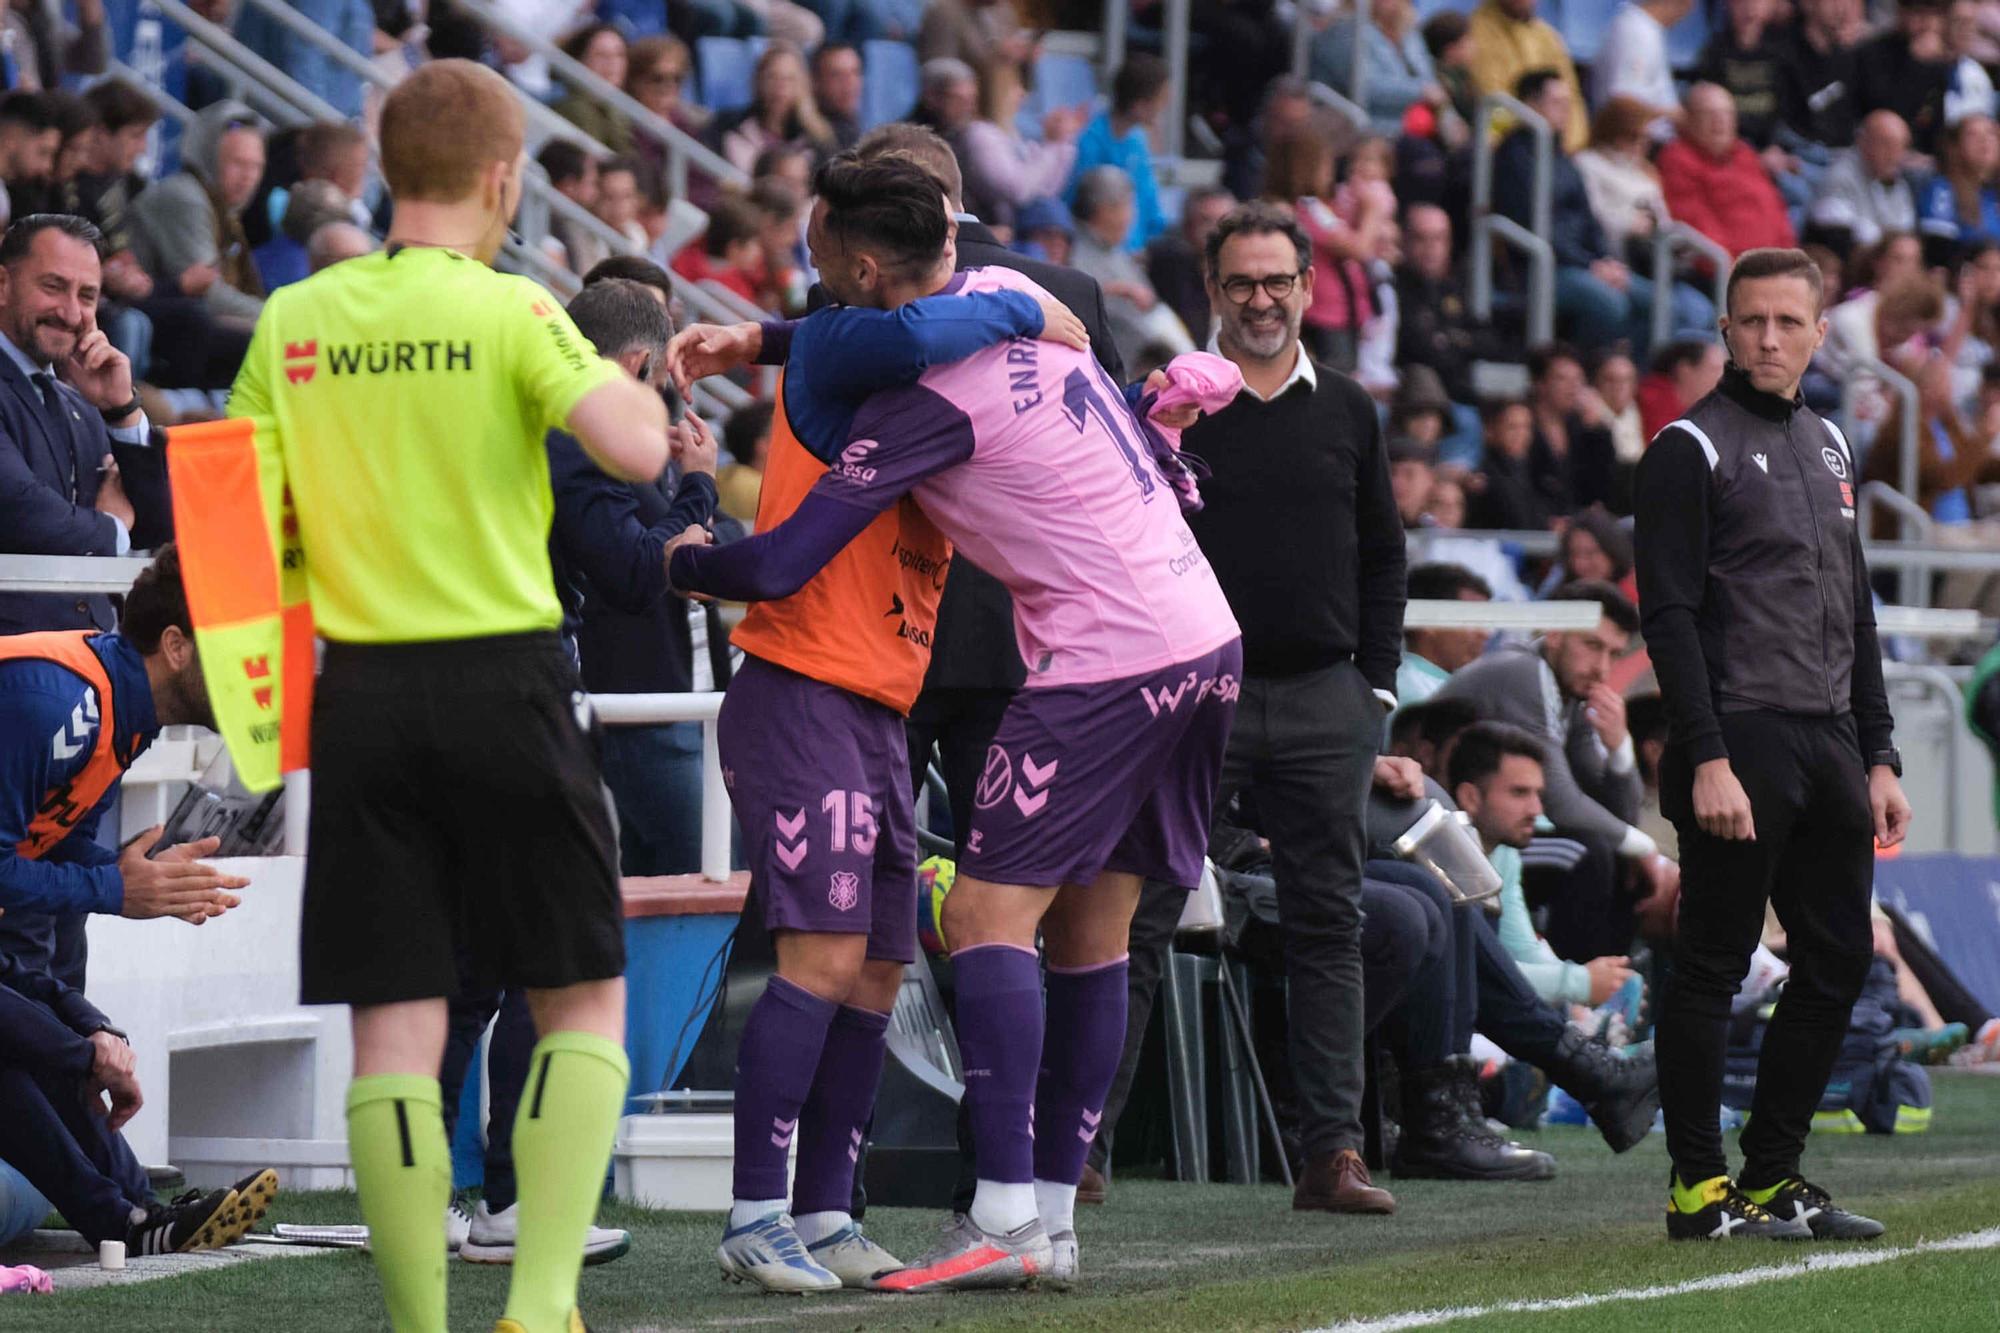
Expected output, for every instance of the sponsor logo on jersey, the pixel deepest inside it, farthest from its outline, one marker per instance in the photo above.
(302, 361)
(397, 356)
(919, 562)
(852, 465)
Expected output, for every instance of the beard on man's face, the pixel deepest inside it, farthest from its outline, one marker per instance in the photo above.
(46, 339)
(190, 693)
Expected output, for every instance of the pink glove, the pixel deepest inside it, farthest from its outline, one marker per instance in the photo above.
(1201, 379)
(26, 1278)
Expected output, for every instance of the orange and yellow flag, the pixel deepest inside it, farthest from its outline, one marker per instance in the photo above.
(246, 589)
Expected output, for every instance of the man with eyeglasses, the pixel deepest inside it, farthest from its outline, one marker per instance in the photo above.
(1300, 525)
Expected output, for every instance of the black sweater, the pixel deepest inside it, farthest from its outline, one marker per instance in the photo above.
(1301, 529)
(1752, 588)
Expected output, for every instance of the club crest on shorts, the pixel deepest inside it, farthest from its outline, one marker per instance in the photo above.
(844, 890)
(996, 781)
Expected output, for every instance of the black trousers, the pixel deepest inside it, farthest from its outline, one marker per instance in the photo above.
(1305, 747)
(64, 1150)
(508, 1057)
(1813, 859)
(961, 723)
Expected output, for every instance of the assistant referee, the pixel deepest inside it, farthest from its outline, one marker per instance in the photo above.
(1781, 762)
(455, 791)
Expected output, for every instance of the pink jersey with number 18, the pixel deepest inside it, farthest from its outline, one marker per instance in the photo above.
(1027, 456)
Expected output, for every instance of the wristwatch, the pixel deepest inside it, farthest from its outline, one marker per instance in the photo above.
(111, 414)
(1891, 758)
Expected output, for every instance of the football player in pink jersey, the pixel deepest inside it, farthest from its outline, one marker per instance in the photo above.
(1104, 769)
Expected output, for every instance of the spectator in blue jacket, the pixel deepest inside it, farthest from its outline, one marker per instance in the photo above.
(1597, 296)
(352, 21)
(75, 710)
(1396, 67)
(1122, 137)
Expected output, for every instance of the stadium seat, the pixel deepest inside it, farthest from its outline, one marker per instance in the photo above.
(637, 18)
(1061, 80)
(888, 83)
(727, 67)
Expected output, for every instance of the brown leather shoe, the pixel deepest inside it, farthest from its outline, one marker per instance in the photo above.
(1338, 1183)
(1092, 1187)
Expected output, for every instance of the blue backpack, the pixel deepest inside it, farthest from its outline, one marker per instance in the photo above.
(1873, 1090)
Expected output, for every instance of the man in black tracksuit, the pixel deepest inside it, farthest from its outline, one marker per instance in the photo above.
(1781, 763)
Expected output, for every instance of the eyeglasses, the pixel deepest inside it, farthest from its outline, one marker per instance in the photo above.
(1277, 286)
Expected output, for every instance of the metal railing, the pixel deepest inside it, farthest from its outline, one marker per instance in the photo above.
(638, 710)
(1851, 389)
(1669, 239)
(683, 150)
(1347, 108)
(1936, 682)
(1913, 579)
(545, 122)
(540, 200)
(162, 101)
(1486, 224)
(282, 97)
(1173, 135)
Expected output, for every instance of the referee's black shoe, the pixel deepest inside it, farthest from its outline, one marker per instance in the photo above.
(1714, 1209)
(1803, 1201)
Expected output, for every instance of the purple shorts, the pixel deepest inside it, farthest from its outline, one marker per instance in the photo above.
(820, 781)
(1119, 776)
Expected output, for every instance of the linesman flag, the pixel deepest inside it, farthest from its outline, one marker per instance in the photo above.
(246, 589)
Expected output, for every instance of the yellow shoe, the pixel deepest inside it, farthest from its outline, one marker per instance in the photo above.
(513, 1326)
(254, 1196)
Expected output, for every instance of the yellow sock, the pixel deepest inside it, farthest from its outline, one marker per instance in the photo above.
(562, 1143)
(395, 1135)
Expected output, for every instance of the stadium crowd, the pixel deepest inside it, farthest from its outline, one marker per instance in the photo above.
(1873, 145)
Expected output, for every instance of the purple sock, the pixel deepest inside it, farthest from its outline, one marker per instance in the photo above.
(774, 1071)
(1000, 1040)
(1086, 1035)
(836, 1113)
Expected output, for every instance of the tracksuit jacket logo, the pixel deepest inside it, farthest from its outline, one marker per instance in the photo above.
(76, 736)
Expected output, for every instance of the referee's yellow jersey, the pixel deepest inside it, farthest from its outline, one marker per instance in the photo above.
(412, 391)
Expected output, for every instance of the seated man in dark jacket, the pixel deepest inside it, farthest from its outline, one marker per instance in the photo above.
(1597, 297)
(60, 1060)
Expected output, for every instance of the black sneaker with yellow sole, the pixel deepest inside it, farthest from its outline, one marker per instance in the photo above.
(1803, 1201)
(254, 1195)
(1714, 1209)
(196, 1220)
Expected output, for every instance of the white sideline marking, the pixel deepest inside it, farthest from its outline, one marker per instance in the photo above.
(1826, 1262)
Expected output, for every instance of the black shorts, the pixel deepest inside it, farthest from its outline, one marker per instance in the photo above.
(456, 800)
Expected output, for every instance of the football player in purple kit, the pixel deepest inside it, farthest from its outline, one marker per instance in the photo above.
(1104, 769)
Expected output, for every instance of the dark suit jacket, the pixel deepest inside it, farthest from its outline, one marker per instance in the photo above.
(974, 646)
(43, 464)
(632, 635)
